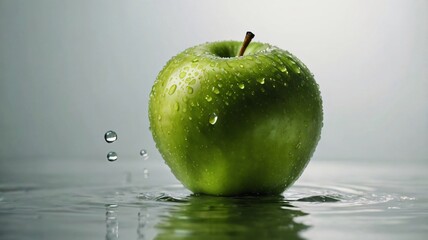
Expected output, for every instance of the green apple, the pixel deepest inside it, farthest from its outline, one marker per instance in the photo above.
(236, 125)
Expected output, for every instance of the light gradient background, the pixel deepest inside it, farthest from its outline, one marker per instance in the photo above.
(71, 70)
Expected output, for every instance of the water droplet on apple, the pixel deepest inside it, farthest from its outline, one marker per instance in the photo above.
(215, 90)
(213, 118)
(208, 98)
(112, 156)
(144, 154)
(182, 75)
(189, 90)
(241, 85)
(193, 81)
(261, 80)
(176, 106)
(110, 136)
(283, 69)
(172, 89)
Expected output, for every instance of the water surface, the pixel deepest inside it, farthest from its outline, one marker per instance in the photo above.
(96, 199)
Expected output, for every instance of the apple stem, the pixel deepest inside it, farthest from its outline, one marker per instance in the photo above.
(248, 37)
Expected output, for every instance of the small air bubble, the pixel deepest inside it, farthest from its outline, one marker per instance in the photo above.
(146, 173)
(261, 80)
(112, 156)
(110, 136)
(208, 98)
(241, 85)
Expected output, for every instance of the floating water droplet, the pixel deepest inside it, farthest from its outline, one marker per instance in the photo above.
(111, 205)
(146, 172)
(261, 80)
(182, 74)
(110, 213)
(241, 85)
(172, 89)
(208, 98)
(213, 118)
(215, 90)
(110, 136)
(189, 90)
(144, 154)
(112, 156)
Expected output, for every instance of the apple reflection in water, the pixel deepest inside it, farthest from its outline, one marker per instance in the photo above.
(207, 217)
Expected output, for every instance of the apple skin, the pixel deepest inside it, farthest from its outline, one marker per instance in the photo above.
(229, 125)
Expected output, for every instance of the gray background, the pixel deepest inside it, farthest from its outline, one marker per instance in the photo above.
(70, 70)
